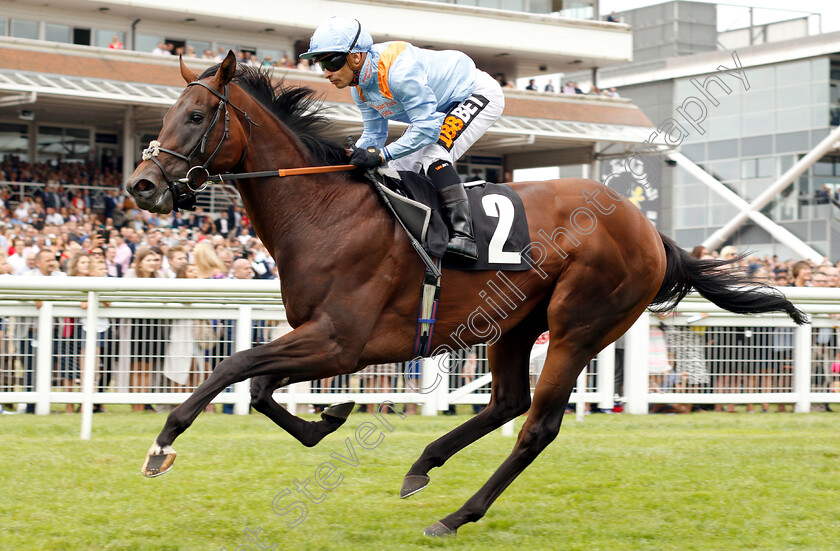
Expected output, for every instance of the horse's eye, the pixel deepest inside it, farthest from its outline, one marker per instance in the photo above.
(196, 118)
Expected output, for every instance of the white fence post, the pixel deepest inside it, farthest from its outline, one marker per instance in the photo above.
(580, 403)
(241, 391)
(802, 368)
(444, 365)
(636, 365)
(430, 378)
(44, 359)
(606, 377)
(89, 373)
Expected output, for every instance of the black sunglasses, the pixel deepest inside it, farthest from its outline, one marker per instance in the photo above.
(336, 60)
(333, 62)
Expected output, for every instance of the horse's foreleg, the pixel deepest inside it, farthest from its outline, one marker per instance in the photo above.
(307, 433)
(308, 352)
(509, 398)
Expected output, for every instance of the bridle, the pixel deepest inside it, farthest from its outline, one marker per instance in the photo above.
(198, 176)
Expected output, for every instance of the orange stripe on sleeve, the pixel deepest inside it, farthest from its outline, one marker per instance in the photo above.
(386, 58)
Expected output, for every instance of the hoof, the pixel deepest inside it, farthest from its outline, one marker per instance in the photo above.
(438, 530)
(413, 483)
(341, 410)
(158, 461)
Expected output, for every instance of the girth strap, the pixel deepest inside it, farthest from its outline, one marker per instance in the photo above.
(429, 296)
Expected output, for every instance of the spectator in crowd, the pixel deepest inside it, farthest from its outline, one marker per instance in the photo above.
(106, 336)
(532, 85)
(5, 267)
(161, 49)
(16, 259)
(549, 87)
(177, 257)
(242, 269)
(568, 88)
(823, 348)
(207, 262)
(184, 364)
(116, 43)
(226, 256)
(46, 265)
(613, 17)
(147, 335)
(612, 93)
(783, 338)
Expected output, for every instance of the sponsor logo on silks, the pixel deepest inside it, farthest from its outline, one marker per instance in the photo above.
(382, 106)
(459, 118)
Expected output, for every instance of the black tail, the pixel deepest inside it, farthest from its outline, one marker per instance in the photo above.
(714, 281)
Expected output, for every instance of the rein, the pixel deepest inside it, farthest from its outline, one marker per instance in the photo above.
(198, 176)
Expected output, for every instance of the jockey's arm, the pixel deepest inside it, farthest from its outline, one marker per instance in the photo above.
(376, 127)
(411, 89)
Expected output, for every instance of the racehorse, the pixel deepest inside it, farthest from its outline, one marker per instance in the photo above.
(350, 280)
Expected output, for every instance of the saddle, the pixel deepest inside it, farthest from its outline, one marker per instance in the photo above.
(499, 222)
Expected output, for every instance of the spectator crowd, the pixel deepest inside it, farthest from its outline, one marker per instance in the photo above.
(79, 223)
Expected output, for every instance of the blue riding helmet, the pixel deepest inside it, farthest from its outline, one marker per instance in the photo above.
(339, 34)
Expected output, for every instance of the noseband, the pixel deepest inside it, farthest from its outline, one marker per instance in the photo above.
(198, 176)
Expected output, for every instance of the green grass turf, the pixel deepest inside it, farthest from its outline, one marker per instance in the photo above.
(704, 481)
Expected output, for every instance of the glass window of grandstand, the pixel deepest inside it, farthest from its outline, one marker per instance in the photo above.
(24, 29)
(249, 53)
(63, 144)
(268, 57)
(223, 49)
(3, 23)
(179, 46)
(825, 179)
(56, 33)
(102, 37)
(197, 48)
(66, 34)
(14, 140)
(533, 6)
(147, 42)
(480, 167)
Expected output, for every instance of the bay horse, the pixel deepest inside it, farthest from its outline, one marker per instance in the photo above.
(351, 282)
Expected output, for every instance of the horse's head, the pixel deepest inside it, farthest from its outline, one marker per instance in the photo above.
(200, 133)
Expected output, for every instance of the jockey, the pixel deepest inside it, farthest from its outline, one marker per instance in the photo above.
(447, 102)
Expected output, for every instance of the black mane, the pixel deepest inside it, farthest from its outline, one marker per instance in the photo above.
(296, 107)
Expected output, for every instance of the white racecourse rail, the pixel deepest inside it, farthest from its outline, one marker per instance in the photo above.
(47, 356)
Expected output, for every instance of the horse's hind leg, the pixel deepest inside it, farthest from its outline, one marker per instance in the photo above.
(307, 433)
(550, 398)
(579, 328)
(510, 396)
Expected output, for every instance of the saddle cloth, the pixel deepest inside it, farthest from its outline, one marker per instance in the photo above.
(499, 222)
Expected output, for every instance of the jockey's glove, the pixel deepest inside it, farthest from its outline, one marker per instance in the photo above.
(367, 158)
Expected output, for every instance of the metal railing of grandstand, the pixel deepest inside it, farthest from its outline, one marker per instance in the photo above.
(156, 340)
(214, 200)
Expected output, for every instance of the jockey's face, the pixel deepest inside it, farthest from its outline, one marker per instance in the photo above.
(343, 77)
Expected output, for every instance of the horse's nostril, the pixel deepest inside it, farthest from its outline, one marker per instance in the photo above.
(144, 187)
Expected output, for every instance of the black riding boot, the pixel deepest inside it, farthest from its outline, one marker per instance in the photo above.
(455, 210)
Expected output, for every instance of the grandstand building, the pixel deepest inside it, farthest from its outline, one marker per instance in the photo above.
(66, 95)
(761, 170)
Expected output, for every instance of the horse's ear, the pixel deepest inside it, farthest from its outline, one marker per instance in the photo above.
(186, 72)
(227, 69)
